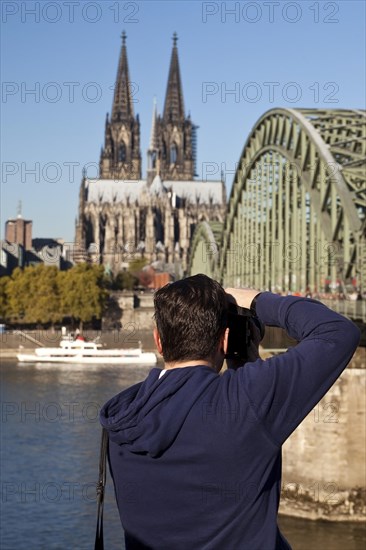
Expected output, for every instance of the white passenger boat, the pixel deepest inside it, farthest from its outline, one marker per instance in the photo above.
(81, 351)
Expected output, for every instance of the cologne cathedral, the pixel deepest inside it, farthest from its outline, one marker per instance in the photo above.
(122, 216)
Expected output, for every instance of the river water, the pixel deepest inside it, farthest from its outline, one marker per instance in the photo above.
(49, 463)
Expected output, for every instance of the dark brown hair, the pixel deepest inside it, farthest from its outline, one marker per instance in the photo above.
(191, 316)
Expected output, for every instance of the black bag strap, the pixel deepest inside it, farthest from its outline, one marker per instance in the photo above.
(99, 544)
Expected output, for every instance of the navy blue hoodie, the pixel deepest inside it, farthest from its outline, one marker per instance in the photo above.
(196, 456)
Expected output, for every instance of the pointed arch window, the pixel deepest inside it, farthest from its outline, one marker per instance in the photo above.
(173, 154)
(122, 152)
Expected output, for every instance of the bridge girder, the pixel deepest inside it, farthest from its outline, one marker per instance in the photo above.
(297, 211)
(204, 249)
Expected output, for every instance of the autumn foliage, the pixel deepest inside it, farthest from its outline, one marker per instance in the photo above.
(44, 295)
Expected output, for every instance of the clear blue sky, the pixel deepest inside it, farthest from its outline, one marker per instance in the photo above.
(314, 51)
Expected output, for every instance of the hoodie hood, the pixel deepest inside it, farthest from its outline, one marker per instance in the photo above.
(148, 416)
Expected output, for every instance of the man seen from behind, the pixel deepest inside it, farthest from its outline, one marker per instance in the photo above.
(195, 455)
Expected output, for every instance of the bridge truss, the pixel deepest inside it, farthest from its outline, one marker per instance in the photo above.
(296, 215)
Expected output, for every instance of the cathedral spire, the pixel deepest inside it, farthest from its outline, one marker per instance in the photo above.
(122, 109)
(153, 150)
(173, 130)
(174, 105)
(120, 158)
(153, 145)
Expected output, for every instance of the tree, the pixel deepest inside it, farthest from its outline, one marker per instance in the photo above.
(46, 308)
(4, 301)
(125, 281)
(137, 265)
(43, 295)
(83, 293)
(19, 295)
(33, 295)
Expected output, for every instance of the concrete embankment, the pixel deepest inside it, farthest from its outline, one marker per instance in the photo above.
(324, 474)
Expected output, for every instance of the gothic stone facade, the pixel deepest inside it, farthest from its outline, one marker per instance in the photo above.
(121, 216)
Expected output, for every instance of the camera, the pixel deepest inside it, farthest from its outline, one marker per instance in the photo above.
(245, 333)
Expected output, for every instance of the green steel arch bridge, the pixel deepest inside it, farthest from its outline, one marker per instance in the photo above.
(296, 216)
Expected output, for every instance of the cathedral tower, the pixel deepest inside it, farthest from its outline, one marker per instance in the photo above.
(120, 157)
(120, 220)
(173, 134)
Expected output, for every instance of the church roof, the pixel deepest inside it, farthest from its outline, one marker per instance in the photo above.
(204, 191)
(114, 191)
